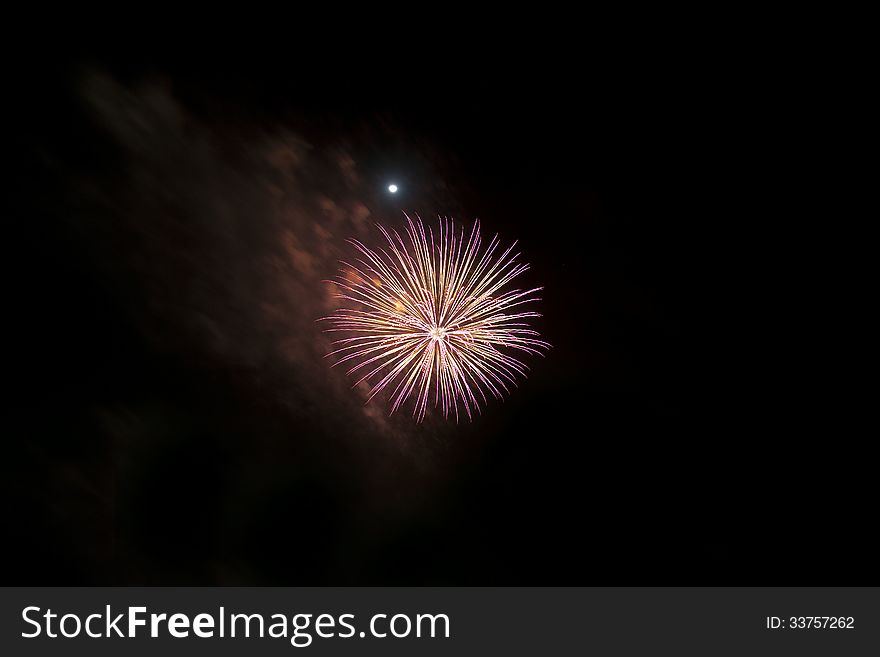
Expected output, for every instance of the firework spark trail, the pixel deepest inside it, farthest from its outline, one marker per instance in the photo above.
(433, 316)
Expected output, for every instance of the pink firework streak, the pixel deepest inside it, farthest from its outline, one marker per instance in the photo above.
(431, 316)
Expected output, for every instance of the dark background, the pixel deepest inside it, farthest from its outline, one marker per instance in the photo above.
(646, 448)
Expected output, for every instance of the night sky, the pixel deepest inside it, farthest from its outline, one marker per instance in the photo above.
(172, 420)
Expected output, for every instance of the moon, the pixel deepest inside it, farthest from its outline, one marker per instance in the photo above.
(392, 188)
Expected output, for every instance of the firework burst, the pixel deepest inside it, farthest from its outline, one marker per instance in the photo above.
(428, 318)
